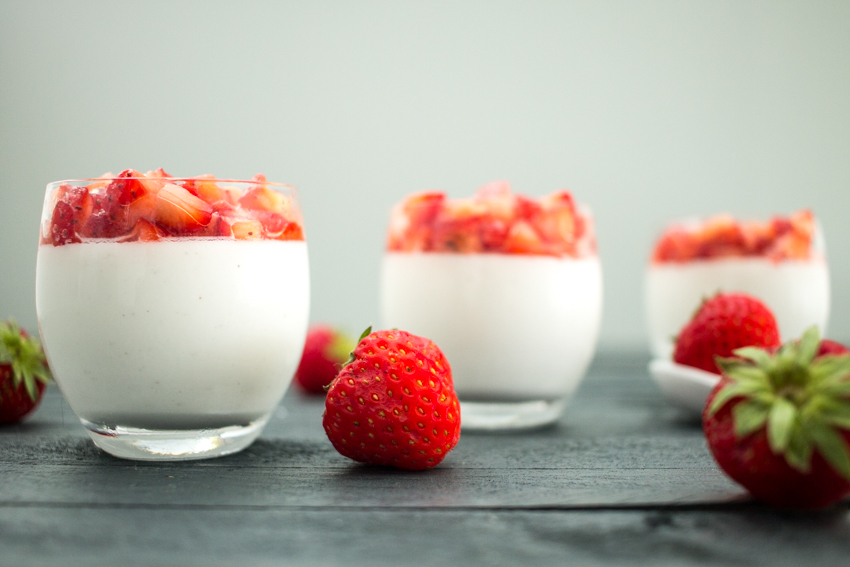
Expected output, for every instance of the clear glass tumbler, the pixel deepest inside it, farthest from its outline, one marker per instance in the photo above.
(782, 262)
(173, 311)
(510, 288)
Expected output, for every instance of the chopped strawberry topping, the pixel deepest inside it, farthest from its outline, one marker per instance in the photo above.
(724, 237)
(144, 231)
(492, 221)
(179, 211)
(133, 206)
(261, 198)
(248, 230)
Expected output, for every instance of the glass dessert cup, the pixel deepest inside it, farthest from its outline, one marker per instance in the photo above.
(508, 286)
(176, 345)
(796, 289)
(518, 330)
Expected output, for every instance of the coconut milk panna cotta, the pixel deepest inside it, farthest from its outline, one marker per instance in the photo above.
(780, 261)
(173, 311)
(509, 287)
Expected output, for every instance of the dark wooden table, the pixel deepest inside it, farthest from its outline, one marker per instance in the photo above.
(623, 479)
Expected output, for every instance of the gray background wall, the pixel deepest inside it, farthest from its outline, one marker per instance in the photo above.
(645, 110)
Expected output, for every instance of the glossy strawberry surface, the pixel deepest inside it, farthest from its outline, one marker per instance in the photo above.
(722, 324)
(394, 404)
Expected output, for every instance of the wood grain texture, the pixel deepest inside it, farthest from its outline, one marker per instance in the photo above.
(623, 478)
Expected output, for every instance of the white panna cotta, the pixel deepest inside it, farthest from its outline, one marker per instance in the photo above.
(796, 291)
(174, 334)
(513, 327)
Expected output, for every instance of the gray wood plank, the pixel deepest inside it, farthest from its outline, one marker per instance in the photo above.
(622, 479)
(746, 536)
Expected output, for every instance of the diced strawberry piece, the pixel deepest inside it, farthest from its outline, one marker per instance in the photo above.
(457, 236)
(248, 230)
(523, 239)
(205, 187)
(118, 206)
(676, 245)
(101, 223)
(144, 231)
(556, 222)
(70, 219)
(63, 225)
(218, 227)
(423, 208)
(526, 209)
(259, 178)
(178, 211)
(142, 208)
(292, 231)
(721, 236)
(492, 234)
(261, 198)
(126, 188)
(273, 222)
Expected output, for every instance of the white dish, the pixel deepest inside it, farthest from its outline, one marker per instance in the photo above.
(684, 386)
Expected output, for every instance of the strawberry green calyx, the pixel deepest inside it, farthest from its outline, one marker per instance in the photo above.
(802, 401)
(351, 356)
(25, 356)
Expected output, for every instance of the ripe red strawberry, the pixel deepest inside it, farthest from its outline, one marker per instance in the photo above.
(831, 347)
(23, 373)
(779, 423)
(722, 324)
(394, 403)
(325, 350)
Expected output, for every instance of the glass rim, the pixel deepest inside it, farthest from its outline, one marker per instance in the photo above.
(89, 181)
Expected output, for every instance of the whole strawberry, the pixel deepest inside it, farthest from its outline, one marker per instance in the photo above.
(779, 423)
(325, 350)
(722, 324)
(394, 403)
(23, 373)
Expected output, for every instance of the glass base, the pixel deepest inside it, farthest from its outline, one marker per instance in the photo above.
(500, 416)
(173, 445)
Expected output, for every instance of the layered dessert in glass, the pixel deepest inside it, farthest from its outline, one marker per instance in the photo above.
(781, 261)
(173, 310)
(508, 286)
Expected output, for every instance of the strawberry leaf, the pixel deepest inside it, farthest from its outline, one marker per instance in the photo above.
(829, 368)
(740, 389)
(749, 416)
(831, 445)
(798, 454)
(757, 355)
(808, 347)
(742, 371)
(835, 412)
(780, 423)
